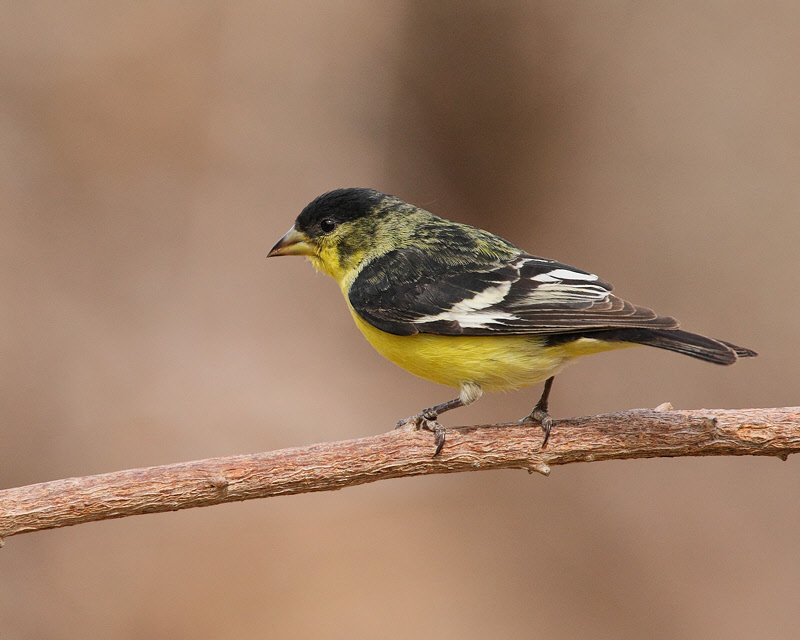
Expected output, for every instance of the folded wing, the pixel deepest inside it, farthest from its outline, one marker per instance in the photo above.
(408, 291)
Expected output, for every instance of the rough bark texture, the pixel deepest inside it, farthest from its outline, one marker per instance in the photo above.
(324, 467)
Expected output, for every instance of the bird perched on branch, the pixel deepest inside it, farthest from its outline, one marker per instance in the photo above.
(463, 307)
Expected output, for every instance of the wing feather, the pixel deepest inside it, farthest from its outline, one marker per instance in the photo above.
(408, 291)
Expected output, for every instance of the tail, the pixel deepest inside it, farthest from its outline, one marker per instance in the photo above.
(690, 344)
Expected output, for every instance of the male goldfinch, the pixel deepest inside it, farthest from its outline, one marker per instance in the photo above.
(463, 307)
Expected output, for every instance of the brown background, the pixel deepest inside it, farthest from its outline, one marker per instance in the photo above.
(151, 153)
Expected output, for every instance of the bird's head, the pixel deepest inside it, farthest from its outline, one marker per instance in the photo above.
(341, 228)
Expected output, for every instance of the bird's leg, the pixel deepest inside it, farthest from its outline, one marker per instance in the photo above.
(428, 418)
(540, 414)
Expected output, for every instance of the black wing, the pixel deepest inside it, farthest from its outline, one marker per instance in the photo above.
(408, 291)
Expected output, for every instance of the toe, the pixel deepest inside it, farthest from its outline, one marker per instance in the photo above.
(438, 439)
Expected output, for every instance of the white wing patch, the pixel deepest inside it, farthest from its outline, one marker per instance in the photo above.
(566, 274)
(488, 297)
(562, 285)
(557, 275)
(467, 312)
(471, 319)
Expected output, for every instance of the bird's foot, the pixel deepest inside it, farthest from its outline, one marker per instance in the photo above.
(543, 418)
(426, 420)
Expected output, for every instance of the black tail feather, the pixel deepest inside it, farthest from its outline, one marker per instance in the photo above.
(690, 344)
(742, 352)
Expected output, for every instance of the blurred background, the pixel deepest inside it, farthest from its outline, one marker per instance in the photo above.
(150, 155)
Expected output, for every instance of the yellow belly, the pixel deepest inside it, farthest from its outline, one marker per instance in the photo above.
(494, 362)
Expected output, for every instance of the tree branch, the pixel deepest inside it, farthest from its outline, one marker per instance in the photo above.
(325, 467)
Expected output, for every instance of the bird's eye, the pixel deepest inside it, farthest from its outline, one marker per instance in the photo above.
(327, 225)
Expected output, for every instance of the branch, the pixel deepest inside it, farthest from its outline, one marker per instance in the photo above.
(325, 467)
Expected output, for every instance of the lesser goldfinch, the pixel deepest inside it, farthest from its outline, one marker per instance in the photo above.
(463, 307)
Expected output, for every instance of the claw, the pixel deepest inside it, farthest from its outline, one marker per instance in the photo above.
(438, 436)
(426, 420)
(547, 424)
(543, 418)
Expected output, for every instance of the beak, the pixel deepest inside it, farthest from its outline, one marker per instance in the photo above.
(294, 243)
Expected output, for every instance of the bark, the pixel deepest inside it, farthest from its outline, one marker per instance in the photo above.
(325, 467)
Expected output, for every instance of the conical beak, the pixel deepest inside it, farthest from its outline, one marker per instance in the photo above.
(294, 243)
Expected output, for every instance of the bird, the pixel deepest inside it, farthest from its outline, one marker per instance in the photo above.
(465, 308)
